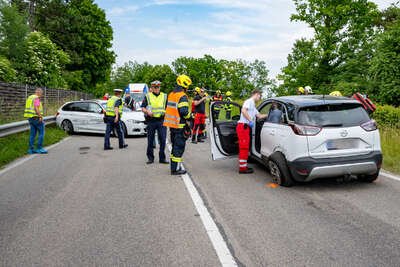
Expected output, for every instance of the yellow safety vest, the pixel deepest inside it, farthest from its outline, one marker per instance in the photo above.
(30, 107)
(111, 105)
(229, 106)
(157, 104)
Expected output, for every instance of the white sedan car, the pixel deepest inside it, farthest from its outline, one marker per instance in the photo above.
(87, 116)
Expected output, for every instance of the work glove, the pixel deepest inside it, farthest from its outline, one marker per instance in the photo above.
(251, 124)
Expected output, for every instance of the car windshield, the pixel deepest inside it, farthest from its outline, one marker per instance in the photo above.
(337, 115)
(138, 97)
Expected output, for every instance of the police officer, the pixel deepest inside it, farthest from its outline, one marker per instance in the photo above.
(176, 116)
(153, 106)
(34, 114)
(113, 120)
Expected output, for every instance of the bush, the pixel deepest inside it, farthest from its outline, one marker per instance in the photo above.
(387, 116)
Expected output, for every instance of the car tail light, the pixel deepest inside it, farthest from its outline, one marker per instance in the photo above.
(305, 130)
(369, 125)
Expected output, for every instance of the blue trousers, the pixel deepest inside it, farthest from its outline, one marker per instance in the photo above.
(178, 147)
(111, 125)
(152, 128)
(35, 127)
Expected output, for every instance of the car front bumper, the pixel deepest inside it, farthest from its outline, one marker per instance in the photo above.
(307, 169)
(136, 128)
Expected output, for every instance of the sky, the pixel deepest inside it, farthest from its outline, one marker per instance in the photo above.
(159, 31)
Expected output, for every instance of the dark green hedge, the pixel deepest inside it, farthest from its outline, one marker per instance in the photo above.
(387, 116)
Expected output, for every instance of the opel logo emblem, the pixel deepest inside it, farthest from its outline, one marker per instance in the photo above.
(344, 133)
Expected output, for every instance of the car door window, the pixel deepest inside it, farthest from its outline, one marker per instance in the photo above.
(79, 107)
(265, 109)
(95, 108)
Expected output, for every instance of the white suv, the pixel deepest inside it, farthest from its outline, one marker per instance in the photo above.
(305, 138)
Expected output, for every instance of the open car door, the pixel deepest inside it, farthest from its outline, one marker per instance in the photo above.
(224, 118)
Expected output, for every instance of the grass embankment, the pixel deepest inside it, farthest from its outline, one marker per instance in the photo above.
(390, 142)
(16, 145)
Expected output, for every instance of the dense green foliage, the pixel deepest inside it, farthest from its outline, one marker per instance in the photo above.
(355, 48)
(75, 33)
(42, 62)
(239, 77)
(387, 116)
(7, 73)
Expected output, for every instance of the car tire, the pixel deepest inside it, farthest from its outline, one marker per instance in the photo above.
(279, 170)
(67, 126)
(369, 178)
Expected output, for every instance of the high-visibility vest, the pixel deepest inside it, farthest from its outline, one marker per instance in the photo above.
(229, 106)
(111, 105)
(172, 118)
(157, 104)
(30, 107)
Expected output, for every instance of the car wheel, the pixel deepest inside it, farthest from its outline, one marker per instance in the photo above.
(67, 126)
(369, 178)
(279, 170)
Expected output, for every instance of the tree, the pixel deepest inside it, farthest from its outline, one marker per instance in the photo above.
(343, 36)
(7, 73)
(13, 30)
(385, 66)
(81, 29)
(42, 62)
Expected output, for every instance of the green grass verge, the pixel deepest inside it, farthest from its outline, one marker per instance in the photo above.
(390, 142)
(16, 145)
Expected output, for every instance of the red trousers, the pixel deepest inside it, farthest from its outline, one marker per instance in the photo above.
(243, 133)
(199, 123)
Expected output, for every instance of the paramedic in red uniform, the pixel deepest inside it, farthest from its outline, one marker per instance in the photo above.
(243, 129)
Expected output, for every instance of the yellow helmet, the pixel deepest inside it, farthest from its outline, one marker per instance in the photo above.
(336, 93)
(301, 90)
(184, 81)
(228, 93)
(197, 90)
(218, 92)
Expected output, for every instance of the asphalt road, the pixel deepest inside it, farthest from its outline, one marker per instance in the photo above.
(70, 208)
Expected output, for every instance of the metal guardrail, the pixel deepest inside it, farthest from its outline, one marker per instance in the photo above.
(20, 126)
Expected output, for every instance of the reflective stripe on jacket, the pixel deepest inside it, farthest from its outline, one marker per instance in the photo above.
(157, 104)
(111, 105)
(30, 107)
(172, 118)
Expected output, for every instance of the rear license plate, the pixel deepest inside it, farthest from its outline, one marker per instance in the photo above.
(340, 144)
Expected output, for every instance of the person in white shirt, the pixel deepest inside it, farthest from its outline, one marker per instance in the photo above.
(243, 129)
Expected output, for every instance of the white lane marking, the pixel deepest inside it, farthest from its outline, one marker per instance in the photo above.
(389, 175)
(221, 248)
(19, 162)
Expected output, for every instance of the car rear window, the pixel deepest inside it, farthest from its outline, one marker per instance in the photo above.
(337, 115)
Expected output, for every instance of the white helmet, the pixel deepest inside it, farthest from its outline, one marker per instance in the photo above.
(308, 89)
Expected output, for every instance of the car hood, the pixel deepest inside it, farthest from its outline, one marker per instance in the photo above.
(134, 115)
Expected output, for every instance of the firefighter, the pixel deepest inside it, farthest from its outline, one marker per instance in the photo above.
(200, 117)
(217, 107)
(228, 105)
(153, 106)
(243, 129)
(176, 118)
(113, 120)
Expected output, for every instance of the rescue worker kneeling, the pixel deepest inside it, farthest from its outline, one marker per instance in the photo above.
(113, 120)
(176, 118)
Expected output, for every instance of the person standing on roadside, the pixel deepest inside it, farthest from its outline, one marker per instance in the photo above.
(176, 118)
(200, 117)
(153, 106)
(34, 113)
(113, 120)
(243, 129)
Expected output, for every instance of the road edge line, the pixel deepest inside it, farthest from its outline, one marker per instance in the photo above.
(24, 159)
(389, 175)
(220, 246)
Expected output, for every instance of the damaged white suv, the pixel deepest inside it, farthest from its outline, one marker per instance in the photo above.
(317, 136)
